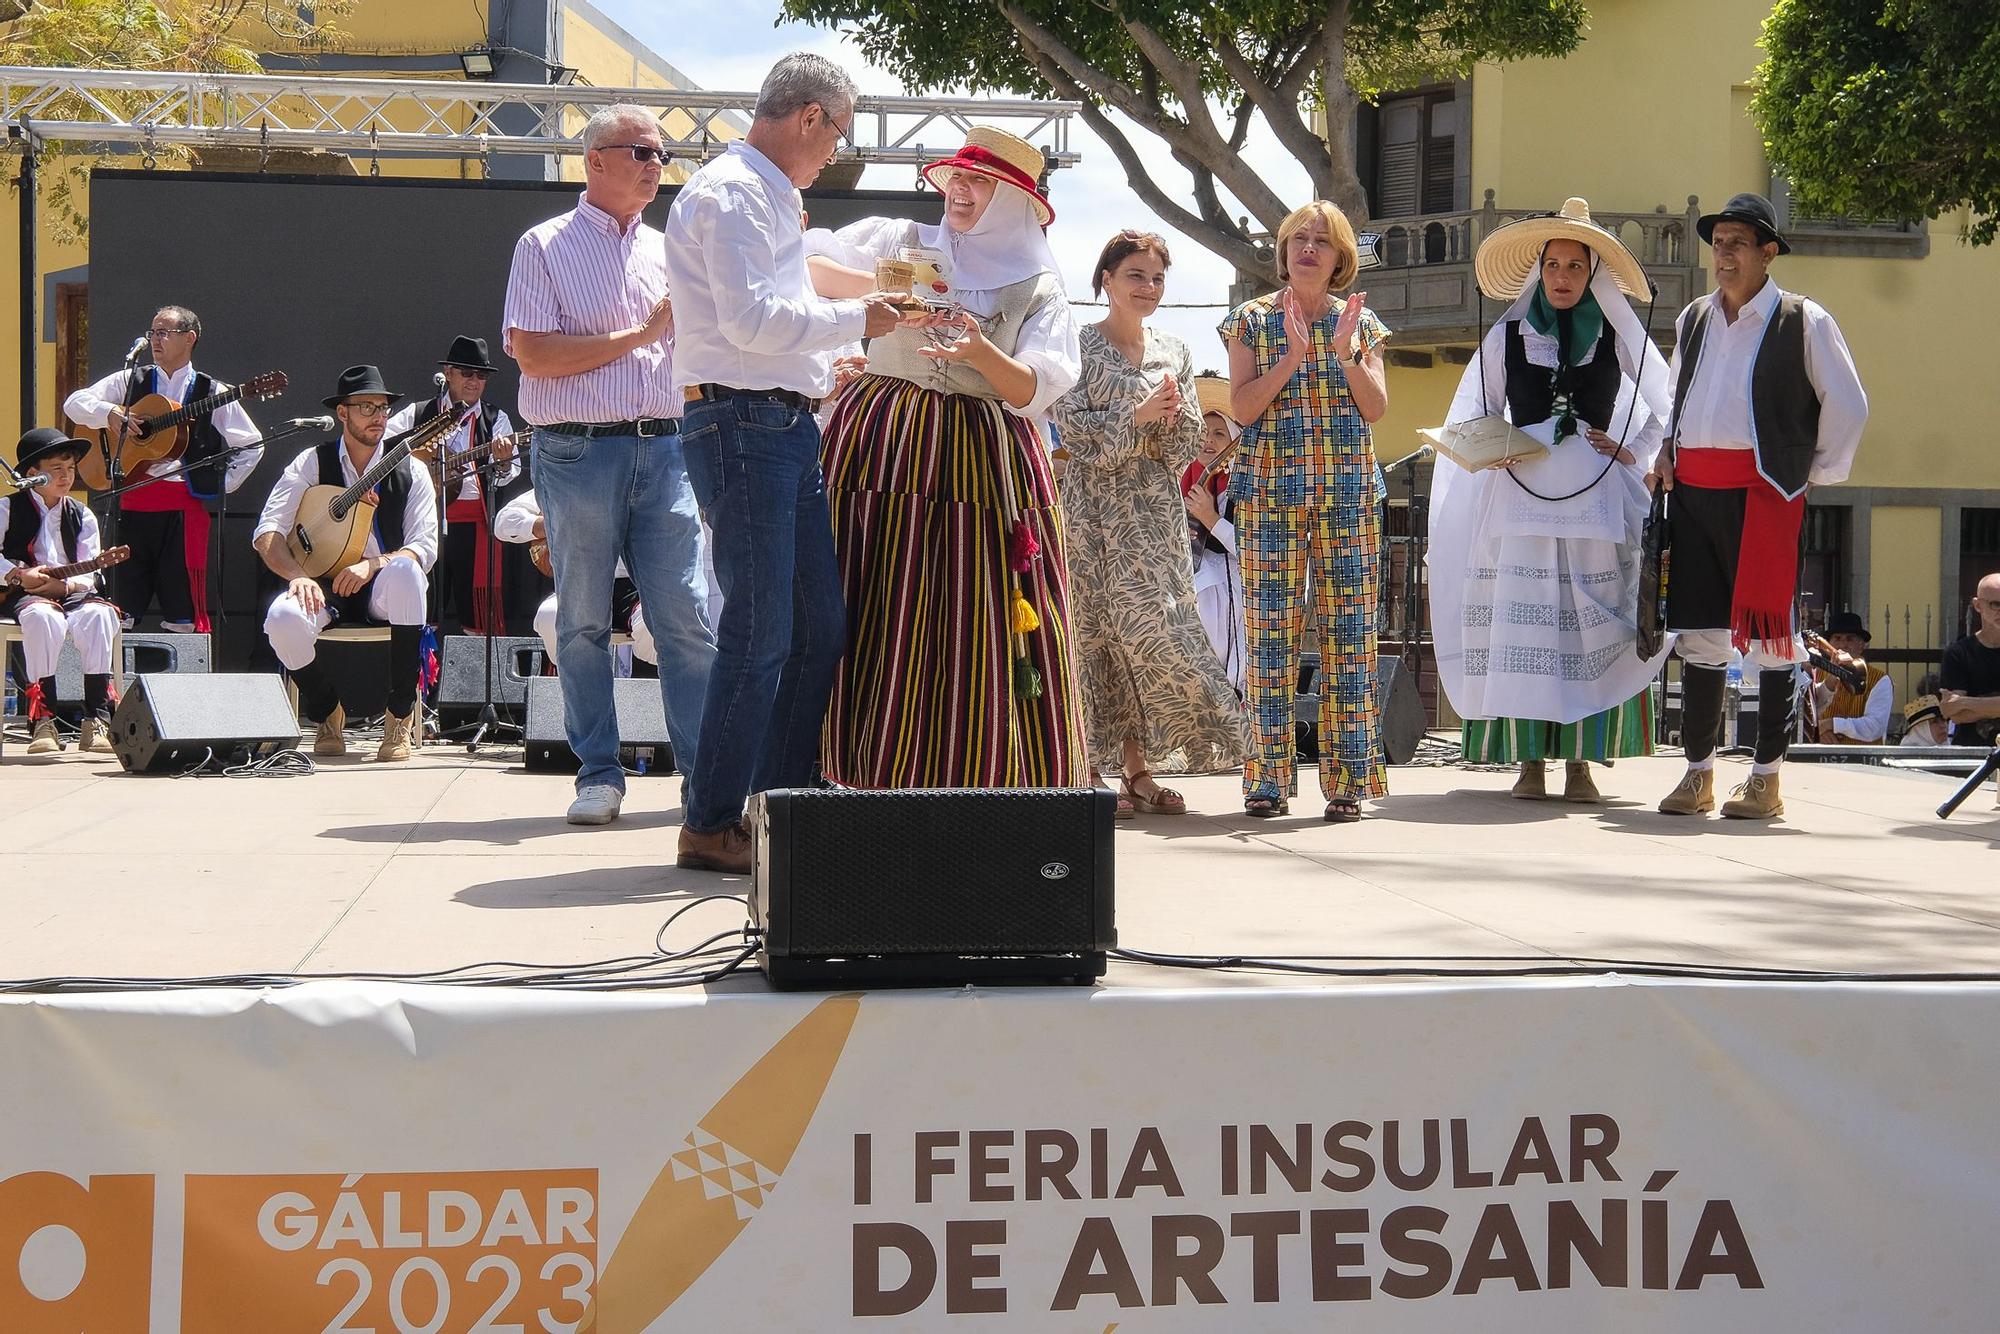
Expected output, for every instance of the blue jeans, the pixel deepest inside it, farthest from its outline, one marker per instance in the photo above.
(754, 463)
(606, 497)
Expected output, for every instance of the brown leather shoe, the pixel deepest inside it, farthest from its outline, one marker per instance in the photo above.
(396, 736)
(327, 739)
(726, 850)
(1533, 784)
(1757, 799)
(1694, 796)
(1577, 784)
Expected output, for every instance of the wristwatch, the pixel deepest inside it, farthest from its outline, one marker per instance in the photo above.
(1360, 351)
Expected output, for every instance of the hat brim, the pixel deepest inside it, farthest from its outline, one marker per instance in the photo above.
(1510, 253)
(71, 447)
(334, 402)
(1213, 396)
(471, 365)
(1043, 213)
(1704, 227)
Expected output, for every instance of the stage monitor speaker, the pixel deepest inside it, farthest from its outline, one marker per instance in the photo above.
(173, 721)
(922, 887)
(643, 744)
(1398, 703)
(462, 675)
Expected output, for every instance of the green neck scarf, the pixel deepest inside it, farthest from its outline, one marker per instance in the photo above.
(1575, 330)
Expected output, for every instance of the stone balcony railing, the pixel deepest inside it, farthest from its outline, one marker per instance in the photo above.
(1424, 289)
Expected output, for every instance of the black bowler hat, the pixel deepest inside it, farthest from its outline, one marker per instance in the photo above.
(46, 442)
(1847, 623)
(1753, 209)
(360, 380)
(469, 354)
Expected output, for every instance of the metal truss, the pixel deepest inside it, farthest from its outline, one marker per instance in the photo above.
(460, 118)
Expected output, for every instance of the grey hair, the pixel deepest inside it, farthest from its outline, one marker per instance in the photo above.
(799, 80)
(616, 119)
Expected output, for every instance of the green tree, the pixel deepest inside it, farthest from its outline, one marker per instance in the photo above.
(1885, 108)
(1197, 74)
(210, 36)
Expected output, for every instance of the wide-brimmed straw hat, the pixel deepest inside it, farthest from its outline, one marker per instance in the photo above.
(1211, 394)
(1510, 253)
(1002, 156)
(1922, 709)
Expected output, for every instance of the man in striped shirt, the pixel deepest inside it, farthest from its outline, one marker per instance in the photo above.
(588, 320)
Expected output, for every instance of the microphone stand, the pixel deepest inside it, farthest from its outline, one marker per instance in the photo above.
(1413, 584)
(490, 722)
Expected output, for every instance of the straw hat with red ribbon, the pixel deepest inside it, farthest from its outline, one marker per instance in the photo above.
(1000, 155)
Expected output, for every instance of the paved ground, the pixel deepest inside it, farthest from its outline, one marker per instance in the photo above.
(453, 859)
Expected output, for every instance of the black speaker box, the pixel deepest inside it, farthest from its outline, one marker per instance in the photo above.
(926, 887)
(173, 721)
(643, 744)
(1398, 703)
(462, 675)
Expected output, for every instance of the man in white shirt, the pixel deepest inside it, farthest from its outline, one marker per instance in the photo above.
(753, 356)
(1848, 716)
(1767, 404)
(387, 583)
(166, 523)
(468, 574)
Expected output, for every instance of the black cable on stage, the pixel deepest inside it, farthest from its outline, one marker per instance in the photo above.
(1497, 966)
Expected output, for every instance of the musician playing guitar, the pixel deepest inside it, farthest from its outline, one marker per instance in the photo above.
(39, 530)
(387, 583)
(1843, 714)
(469, 579)
(166, 524)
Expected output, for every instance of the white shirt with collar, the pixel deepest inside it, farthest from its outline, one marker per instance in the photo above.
(1717, 412)
(745, 313)
(1873, 724)
(91, 406)
(46, 548)
(460, 440)
(420, 511)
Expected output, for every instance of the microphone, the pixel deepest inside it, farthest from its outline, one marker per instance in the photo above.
(33, 480)
(138, 346)
(438, 379)
(311, 423)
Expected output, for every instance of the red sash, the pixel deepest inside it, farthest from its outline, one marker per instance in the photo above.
(164, 498)
(1767, 563)
(487, 606)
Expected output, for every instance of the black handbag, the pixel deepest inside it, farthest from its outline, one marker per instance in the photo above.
(1655, 559)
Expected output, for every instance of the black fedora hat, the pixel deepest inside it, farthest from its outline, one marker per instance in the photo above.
(1848, 623)
(468, 353)
(1746, 207)
(46, 442)
(360, 380)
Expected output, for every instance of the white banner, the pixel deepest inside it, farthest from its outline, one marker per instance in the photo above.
(1507, 1157)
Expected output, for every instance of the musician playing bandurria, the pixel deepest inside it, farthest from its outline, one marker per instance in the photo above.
(1843, 715)
(386, 584)
(165, 523)
(39, 530)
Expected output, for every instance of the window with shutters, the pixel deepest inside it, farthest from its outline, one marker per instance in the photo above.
(1844, 234)
(1416, 154)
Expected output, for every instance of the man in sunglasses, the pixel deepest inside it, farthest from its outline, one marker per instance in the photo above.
(468, 581)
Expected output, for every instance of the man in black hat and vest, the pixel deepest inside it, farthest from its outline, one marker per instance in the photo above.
(1766, 404)
(166, 523)
(40, 530)
(469, 575)
(387, 584)
(1843, 715)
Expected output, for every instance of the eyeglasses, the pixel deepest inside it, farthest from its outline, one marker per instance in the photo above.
(471, 374)
(164, 333)
(845, 136)
(365, 410)
(639, 152)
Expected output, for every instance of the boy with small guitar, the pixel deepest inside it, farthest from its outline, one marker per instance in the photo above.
(352, 529)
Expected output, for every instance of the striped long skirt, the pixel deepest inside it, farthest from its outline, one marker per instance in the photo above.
(1612, 734)
(932, 496)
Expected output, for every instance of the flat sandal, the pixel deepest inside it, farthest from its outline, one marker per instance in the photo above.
(1167, 802)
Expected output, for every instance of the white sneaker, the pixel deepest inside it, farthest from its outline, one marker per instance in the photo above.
(176, 627)
(596, 804)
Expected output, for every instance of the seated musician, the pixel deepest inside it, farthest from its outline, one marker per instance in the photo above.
(466, 586)
(166, 524)
(1848, 716)
(386, 584)
(39, 530)
(520, 520)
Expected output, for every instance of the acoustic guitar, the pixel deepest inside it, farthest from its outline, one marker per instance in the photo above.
(448, 467)
(115, 556)
(332, 524)
(157, 428)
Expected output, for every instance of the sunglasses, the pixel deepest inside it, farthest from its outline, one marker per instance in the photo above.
(472, 374)
(639, 152)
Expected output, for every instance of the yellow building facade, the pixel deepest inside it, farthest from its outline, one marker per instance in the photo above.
(1651, 109)
(522, 41)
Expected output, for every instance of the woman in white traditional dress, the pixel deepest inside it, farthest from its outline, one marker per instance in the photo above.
(1535, 566)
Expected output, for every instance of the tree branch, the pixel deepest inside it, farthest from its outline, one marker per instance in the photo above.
(1208, 146)
(1282, 116)
(1343, 181)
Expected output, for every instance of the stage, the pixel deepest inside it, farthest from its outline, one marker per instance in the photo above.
(1173, 1152)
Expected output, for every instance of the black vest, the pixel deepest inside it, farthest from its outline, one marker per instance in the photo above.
(482, 423)
(394, 491)
(204, 440)
(24, 525)
(1531, 389)
(1784, 406)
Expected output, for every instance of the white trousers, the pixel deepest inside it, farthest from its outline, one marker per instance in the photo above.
(396, 595)
(642, 638)
(44, 625)
(1711, 648)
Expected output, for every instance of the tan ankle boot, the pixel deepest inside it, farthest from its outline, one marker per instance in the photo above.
(1757, 799)
(96, 736)
(1694, 796)
(45, 740)
(328, 739)
(1533, 784)
(396, 736)
(1577, 784)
